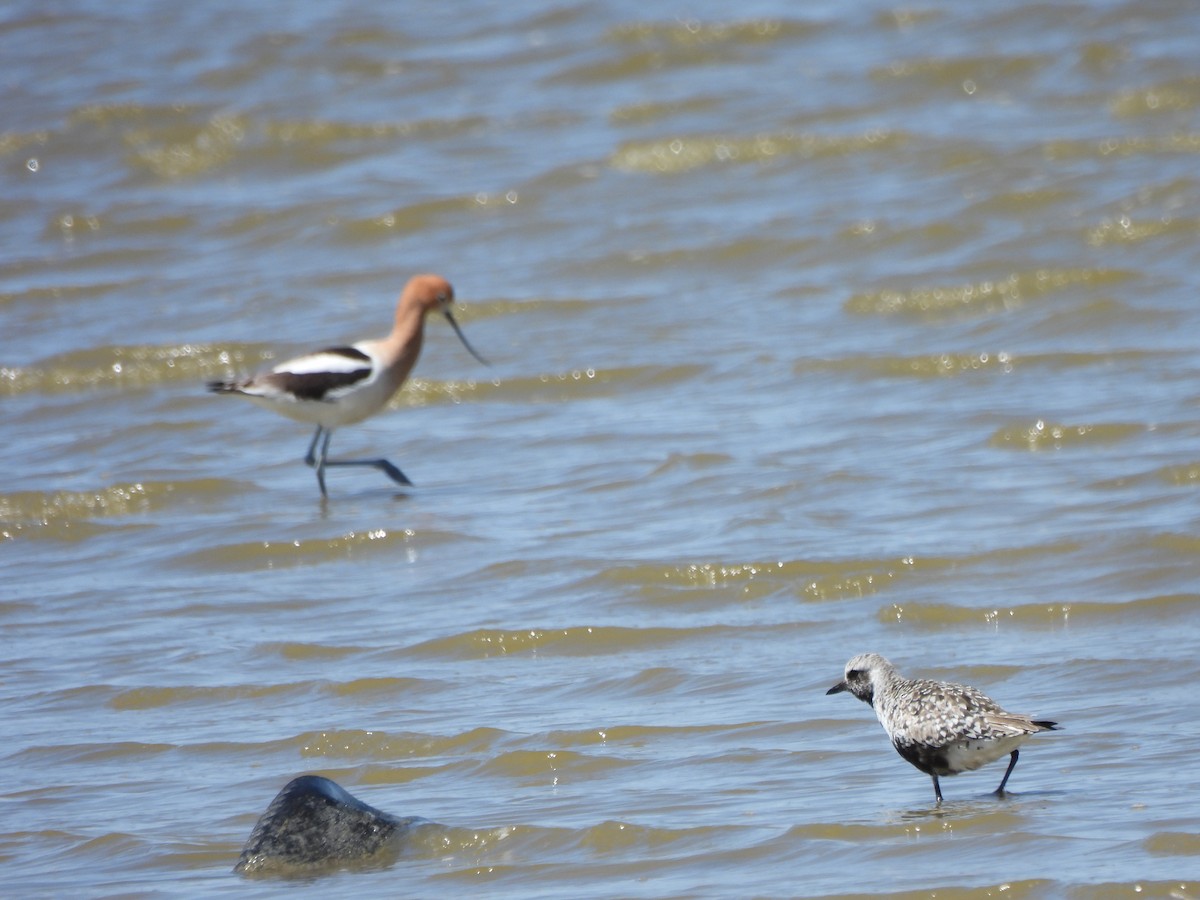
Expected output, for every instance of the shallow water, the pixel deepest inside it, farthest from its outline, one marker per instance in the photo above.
(846, 330)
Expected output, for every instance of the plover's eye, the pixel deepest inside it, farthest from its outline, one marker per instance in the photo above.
(854, 674)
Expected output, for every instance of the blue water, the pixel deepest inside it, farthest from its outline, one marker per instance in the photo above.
(811, 334)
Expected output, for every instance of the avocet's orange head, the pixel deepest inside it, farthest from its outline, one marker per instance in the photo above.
(426, 293)
(433, 292)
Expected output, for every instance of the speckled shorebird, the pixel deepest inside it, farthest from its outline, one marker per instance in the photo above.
(343, 385)
(939, 727)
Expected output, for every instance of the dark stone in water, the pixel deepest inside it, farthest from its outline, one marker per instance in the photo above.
(314, 825)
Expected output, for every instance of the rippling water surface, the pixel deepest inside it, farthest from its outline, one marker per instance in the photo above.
(837, 328)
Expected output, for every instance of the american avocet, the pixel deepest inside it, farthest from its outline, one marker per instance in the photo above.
(343, 385)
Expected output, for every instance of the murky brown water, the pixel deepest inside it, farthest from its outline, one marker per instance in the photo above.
(849, 329)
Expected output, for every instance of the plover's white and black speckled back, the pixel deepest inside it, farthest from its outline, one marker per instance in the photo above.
(939, 727)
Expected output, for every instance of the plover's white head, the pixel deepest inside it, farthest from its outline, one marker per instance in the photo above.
(863, 675)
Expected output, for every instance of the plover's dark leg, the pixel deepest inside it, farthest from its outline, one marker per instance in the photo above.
(1003, 781)
(937, 788)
